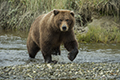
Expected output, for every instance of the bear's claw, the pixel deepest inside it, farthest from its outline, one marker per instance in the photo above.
(72, 55)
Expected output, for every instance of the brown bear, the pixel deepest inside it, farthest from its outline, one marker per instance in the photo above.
(51, 30)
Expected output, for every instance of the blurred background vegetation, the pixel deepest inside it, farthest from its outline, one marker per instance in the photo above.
(19, 14)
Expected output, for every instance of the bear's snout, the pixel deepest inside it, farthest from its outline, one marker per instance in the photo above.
(64, 28)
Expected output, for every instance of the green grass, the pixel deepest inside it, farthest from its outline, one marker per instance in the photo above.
(100, 35)
(21, 13)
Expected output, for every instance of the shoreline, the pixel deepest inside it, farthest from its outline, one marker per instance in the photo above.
(62, 71)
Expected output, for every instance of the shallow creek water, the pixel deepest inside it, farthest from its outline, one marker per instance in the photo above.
(13, 51)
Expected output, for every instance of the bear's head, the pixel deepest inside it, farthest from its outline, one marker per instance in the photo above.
(64, 20)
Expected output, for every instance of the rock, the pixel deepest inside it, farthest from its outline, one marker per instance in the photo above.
(62, 71)
(106, 22)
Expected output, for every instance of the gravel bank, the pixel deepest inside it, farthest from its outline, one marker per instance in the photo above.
(61, 71)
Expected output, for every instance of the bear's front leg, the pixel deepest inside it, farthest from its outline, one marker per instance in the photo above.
(72, 47)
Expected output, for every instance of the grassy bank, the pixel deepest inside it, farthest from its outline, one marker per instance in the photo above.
(19, 14)
(100, 35)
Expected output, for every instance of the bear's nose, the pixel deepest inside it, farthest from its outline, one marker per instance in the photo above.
(64, 28)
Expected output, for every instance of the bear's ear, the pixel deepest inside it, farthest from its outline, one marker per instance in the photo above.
(55, 12)
(72, 13)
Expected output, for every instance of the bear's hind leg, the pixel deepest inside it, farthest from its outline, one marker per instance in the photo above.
(56, 51)
(48, 59)
(32, 48)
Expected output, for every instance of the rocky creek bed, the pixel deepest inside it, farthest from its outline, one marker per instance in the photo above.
(42, 71)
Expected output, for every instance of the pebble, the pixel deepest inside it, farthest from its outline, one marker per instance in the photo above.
(61, 71)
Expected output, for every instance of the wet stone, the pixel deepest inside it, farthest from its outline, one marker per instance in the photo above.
(60, 71)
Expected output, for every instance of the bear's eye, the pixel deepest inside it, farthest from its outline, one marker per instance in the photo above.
(60, 20)
(67, 20)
